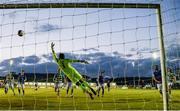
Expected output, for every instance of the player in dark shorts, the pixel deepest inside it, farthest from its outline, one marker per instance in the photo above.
(58, 82)
(21, 81)
(71, 72)
(108, 85)
(69, 86)
(157, 78)
(36, 86)
(101, 83)
(97, 85)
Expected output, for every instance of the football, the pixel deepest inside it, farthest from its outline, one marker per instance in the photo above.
(20, 33)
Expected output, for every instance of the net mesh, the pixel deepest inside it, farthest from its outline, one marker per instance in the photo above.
(120, 42)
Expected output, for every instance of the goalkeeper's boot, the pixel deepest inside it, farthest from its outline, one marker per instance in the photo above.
(89, 87)
(86, 89)
(91, 95)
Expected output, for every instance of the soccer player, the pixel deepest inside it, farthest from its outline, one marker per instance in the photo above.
(9, 83)
(69, 86)
(71, 72)
(157, 78)
(21, 80)
(171, 78)
(36, 86)
(97, 85)
(108, 85)
(101, 83)
(57, 82)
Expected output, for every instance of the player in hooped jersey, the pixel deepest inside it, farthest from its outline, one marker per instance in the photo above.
(58, 82)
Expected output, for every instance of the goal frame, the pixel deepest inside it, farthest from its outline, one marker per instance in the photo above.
(156, 7)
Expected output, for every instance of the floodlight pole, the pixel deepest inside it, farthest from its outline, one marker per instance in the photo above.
(162, 60)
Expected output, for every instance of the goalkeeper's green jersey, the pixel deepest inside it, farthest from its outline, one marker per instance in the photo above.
(67, 69)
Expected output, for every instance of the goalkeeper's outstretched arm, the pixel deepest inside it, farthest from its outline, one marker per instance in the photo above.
(73, 61)
(53, 52)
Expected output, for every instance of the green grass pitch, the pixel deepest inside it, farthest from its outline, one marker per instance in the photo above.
(127, 99)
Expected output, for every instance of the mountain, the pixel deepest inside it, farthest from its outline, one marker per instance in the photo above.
(115, 64)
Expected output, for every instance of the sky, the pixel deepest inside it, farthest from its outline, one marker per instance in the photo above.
(48, 25)
(127, 34)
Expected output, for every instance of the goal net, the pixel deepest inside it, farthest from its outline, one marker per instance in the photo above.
(122, 41)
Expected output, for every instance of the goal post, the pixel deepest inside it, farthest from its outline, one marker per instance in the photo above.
(156, 7)
(162, 59)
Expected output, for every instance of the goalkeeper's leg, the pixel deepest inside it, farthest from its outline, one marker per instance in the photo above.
(85, 86)
(85, 89)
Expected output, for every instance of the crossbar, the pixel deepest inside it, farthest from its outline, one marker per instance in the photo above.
(79, 5)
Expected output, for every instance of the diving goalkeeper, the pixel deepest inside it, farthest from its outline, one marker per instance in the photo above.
(71, 72)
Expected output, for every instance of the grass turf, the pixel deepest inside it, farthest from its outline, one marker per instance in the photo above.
(116, 99)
